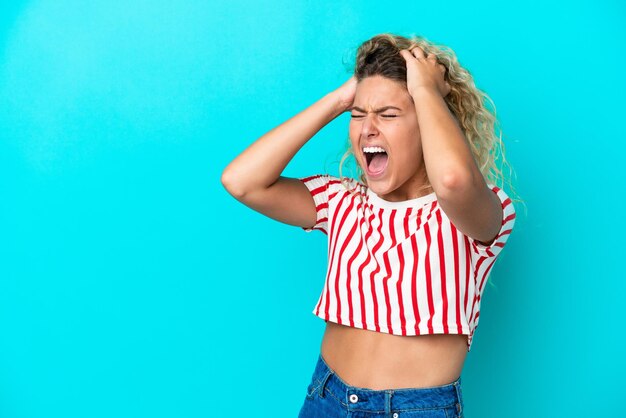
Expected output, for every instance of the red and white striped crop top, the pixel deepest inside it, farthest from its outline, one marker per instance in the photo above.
(400, 267)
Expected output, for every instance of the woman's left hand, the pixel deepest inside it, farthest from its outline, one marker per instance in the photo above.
(424, 72)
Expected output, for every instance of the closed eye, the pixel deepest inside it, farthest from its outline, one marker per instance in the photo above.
(384, 116)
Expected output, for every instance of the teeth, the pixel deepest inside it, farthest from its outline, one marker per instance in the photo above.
(374, 149)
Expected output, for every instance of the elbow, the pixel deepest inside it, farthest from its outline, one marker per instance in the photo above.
(229, 184)
(454, 181)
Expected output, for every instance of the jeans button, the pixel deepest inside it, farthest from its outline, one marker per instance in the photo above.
(395, 415)
(354, 398)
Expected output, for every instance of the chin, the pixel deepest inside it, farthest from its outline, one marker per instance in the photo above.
(379, 186)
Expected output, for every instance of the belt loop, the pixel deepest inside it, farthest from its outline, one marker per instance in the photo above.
(459, 395)
(388, 395)
(324, 380)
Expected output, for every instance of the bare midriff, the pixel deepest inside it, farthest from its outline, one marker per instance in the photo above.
(376, 360)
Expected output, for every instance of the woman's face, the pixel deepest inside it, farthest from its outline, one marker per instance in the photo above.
(383, 115)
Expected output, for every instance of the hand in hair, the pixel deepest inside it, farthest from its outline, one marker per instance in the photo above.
(346, 93)
(424, 72)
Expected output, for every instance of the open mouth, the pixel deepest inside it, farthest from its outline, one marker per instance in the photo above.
(376, 159)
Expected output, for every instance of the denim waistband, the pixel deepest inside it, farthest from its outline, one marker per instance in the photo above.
(357, 398)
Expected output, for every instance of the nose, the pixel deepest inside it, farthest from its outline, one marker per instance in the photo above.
(368, 128)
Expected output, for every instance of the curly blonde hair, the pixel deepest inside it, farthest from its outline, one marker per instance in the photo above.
(380, 55)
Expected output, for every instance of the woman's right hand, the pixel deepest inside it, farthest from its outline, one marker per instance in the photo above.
(345, 94)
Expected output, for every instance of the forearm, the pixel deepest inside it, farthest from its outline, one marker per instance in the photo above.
(447, 155)
(261, 164)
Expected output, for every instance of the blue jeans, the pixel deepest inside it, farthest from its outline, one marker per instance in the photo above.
(328, 396)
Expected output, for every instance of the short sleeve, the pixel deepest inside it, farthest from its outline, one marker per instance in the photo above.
(508, 221)
(322, 188)
(318, 187)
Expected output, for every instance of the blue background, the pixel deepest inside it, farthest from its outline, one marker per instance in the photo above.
(133, 285)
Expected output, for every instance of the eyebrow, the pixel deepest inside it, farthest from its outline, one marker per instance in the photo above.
(382, 109)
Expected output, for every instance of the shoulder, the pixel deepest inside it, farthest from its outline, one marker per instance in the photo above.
(505, 200)
(330, 184)
(507, 224)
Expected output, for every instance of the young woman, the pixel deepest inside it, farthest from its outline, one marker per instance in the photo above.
(410, 244)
